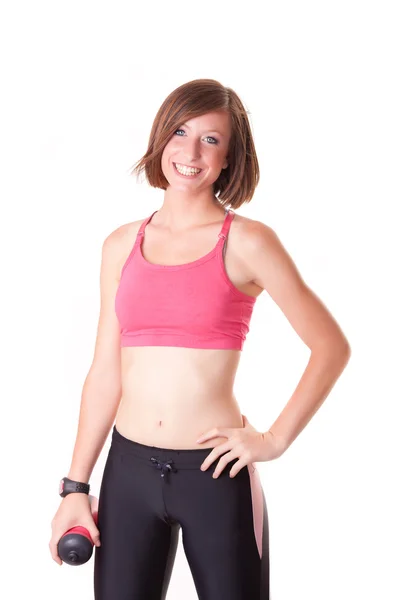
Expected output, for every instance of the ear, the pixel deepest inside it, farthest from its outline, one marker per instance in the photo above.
(226, 163)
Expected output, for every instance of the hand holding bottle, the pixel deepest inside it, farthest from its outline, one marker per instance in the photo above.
(75, 510)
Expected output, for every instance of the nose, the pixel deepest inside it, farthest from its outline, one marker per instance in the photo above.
(191, 150)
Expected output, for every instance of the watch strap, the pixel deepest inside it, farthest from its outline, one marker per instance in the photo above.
(69, 486)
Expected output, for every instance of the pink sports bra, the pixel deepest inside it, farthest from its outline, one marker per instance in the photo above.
(192, 305)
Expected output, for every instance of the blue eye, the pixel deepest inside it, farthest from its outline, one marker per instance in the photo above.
(209, 137)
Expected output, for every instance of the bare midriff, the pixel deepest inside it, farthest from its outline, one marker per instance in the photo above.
(172, 395)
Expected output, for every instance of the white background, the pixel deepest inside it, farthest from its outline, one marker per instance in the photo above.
(81, 84)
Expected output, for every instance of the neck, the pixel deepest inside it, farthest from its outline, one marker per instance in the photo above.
(180, 211)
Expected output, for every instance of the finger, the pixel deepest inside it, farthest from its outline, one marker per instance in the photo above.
(216, 432)
(94, 534)
(215, 453)
(239, 464)
(203, 437)
(207, 436)
(223, 462)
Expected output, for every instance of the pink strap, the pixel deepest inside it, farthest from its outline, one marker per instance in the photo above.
(226, 225)
(143, 225)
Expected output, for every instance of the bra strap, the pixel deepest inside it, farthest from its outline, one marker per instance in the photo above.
(226, 225)
(143, 225)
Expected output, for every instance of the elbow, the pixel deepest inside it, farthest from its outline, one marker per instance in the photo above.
(338, 351)
(345, 349)
(343, 352)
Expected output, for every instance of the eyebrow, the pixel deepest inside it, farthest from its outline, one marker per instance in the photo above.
(210, 130)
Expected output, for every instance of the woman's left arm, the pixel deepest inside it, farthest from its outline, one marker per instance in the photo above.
(270, 267)
(274, 270)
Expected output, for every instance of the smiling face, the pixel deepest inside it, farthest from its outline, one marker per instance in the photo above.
(202, 144)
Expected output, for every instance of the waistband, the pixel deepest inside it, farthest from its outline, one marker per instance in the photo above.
(182, 459)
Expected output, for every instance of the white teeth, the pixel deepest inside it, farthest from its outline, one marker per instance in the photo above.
(186, 170)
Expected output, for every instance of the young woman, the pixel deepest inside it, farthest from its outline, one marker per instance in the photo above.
(177, 294)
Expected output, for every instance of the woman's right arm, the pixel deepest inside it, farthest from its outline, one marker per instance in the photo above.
(101, 395)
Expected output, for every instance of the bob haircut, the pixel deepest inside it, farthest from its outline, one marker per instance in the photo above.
(236, 184)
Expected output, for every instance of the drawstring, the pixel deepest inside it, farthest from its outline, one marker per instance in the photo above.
(164, 466)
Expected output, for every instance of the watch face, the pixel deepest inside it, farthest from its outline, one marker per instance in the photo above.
(61, 487)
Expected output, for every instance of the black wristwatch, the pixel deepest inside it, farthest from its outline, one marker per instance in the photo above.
(68, 486)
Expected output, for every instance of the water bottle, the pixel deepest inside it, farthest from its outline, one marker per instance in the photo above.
(75, 547)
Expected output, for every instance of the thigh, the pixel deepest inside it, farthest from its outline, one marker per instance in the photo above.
(138, 544)
(225, 534)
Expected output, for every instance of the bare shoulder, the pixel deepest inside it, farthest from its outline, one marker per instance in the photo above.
(119, 243)
(267, 261)
(251, 236)
(123, 232)
(252, 231)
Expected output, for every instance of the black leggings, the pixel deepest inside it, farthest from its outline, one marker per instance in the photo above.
(147, 494)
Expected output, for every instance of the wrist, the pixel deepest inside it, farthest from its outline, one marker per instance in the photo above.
(69, 486)
(279, 441)
(78, 476)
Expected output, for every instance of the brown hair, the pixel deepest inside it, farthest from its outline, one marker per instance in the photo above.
(236, 184)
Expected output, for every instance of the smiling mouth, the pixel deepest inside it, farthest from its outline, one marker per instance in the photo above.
(189, 172)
